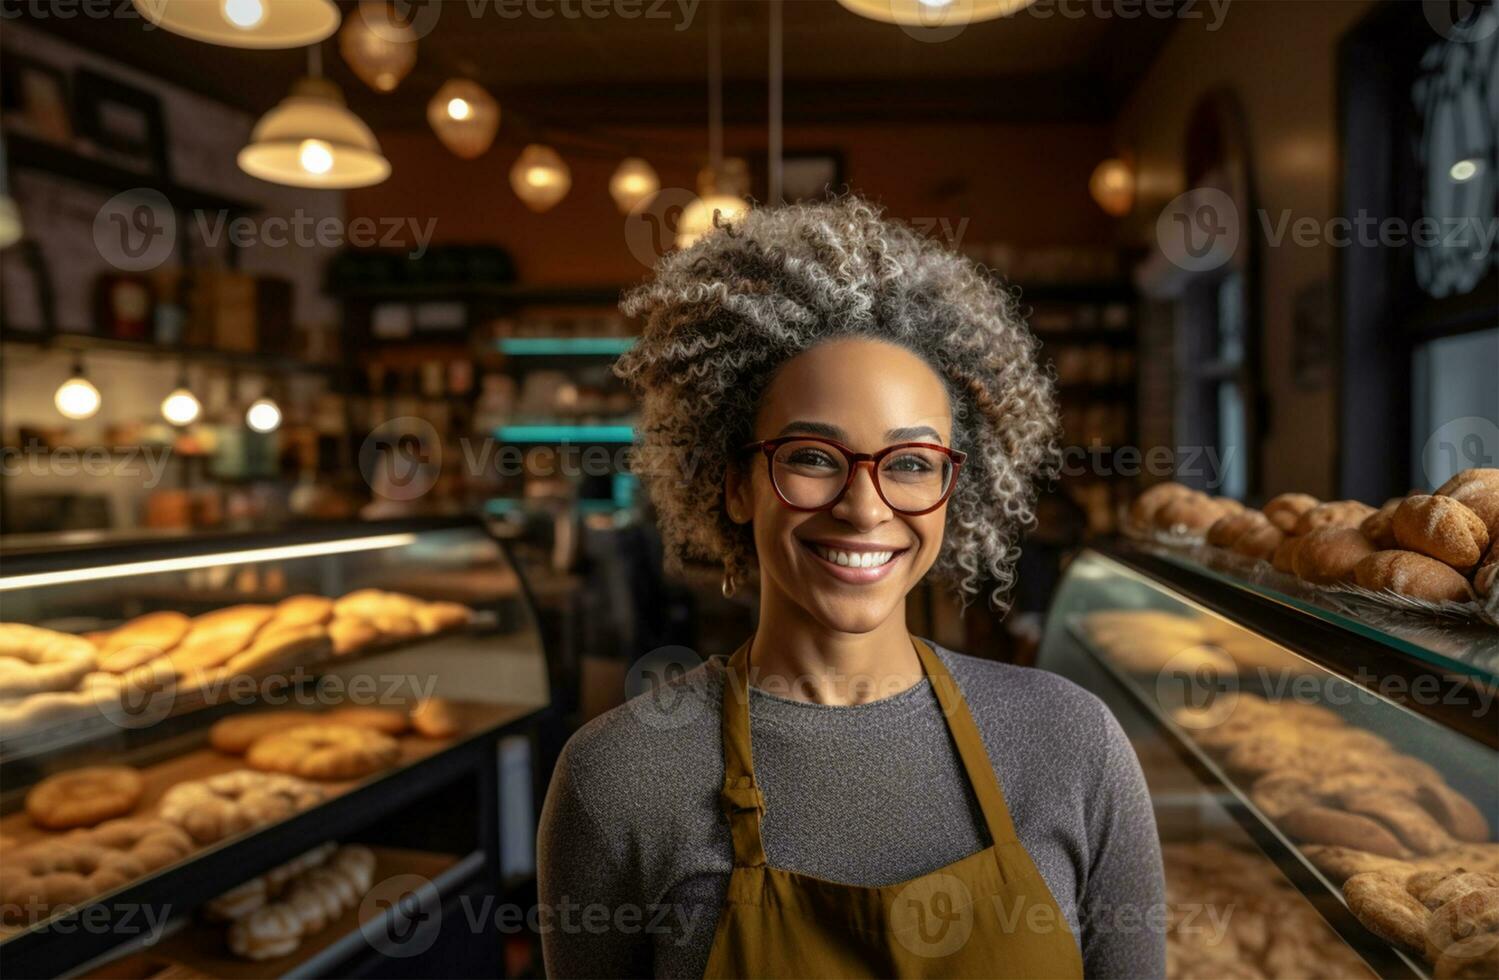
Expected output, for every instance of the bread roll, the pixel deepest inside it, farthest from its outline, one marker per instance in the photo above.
(1328, 555)
(1286, 509)
(1248, 533)
(1475, 474)
(1284, 556)
(1142, 511)
(1443, 528)
(1191, 513)
(1481, 496)
(1487, 575)
(1334, 513)
(1379, 527)
(1410, 574)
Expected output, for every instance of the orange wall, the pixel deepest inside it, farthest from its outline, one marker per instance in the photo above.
(1021, 184)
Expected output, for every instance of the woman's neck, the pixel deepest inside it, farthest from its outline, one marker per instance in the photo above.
(795, 656)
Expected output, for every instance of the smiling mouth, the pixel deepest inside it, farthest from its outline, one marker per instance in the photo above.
(861, 558)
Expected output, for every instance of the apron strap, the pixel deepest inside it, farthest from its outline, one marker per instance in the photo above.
(971, 750)
(741, 799)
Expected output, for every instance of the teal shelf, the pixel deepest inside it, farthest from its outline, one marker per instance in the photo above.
(564, 346)
(501, 506)
(565, 432)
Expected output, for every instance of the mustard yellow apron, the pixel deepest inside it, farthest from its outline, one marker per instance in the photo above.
(987, 915)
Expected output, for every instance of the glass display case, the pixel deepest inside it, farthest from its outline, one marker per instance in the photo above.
(1325, 791)
(185, 717)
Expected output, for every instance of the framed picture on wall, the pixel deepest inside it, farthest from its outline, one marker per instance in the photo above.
(121, 123)
(34, 98)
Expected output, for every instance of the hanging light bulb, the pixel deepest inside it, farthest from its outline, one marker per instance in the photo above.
(263, 415)
(634, 182)
(379, 48)
(245, 23)
(10, 221)
(720, 192)
(1113, 187)
(77, 398)
(540, 177)
(312, 140)
(181, 407)
(465, 117)
(934, 13)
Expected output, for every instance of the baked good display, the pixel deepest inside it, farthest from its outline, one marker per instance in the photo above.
(64, 871)
(229, 629)
(351, 634)
(248, 896)
(140, 640)
(1334, 513)
(233, 802)
(84, 797)
(1329, 554)
(1449, 917)
(1193, 512)
(304, 610)
(1273, 930)
(304, 905)
(387, 720)
(1443, 528)
(1142, 510)
(35, 660)
(1285, 510)
(1248, 532)
(1414, 575)
(324, 751)
(281, 648)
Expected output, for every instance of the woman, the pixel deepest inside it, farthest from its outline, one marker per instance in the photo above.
(835, 407)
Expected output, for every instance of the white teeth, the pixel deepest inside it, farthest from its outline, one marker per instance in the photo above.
(855, 559)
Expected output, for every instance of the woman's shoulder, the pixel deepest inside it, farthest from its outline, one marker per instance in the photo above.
(1013, 701)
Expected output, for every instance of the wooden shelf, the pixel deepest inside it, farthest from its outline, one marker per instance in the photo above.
(28, 153)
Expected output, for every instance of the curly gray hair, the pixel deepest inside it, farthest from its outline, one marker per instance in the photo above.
(722, 316)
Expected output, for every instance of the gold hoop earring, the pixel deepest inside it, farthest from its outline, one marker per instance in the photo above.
(729, 586)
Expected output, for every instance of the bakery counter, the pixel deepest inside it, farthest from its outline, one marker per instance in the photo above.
(1338, 767)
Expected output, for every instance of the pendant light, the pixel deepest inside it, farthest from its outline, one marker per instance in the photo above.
(721, 185)
(263, 415)
(379, 48)
(10, 214)
(77, 398)
(181, 407)
(934, 13)
(540, 177)
(1113, 187)
(464, 117)
(312, 140)
(245, 23)
(634, 182)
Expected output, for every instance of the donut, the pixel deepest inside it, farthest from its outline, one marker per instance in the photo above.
(84, 797)
(386, 720)
(304, 610)
(233, 802)
(1334, 513)
(154, 843)
(1410, 574)
(1285, 509)
(235, 734)
(435, 718)
(35, 660)
(1142, 511)
(332, 752)
(1329, 554)
(1443, 528)
(70, 870)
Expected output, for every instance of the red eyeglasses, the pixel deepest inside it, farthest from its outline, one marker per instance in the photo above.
(813, 474)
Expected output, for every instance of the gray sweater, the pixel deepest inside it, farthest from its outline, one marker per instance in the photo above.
(634, 855)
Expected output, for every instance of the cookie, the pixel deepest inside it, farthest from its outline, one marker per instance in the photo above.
(1454, 811)
(1379, 901)
(1328, 555)
(235, 735)
(1413, 575)
(1466, 926)
(1340, 863)
(1416, 828)
(1442, 528)
(1325, 825)
(84, 797)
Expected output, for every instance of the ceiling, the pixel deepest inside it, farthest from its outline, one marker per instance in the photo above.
(589, 62)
